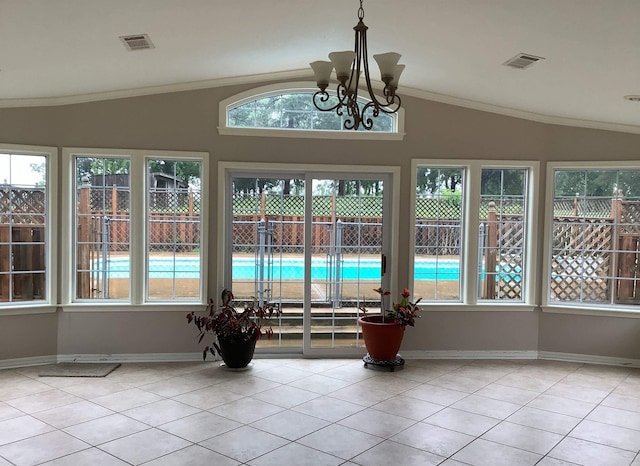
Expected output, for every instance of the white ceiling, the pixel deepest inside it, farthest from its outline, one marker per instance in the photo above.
(60, 51)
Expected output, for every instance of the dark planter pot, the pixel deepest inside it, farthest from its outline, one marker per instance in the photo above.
(382, 339)
(237, 354)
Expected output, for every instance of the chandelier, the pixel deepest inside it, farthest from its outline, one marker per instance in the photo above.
(349, 66)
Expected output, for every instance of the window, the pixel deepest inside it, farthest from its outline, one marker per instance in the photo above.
(25, 225)
(595, 236)
(472, 232)
(288, 111)
(174, 224)
(137, 228)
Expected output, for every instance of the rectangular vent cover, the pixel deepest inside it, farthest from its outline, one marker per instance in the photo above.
(522, 61)
(137, 42)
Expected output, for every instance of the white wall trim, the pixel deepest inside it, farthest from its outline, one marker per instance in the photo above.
(305, 73)
(452, 355)
(26, 362)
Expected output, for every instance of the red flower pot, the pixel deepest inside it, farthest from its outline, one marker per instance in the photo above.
(382, 339)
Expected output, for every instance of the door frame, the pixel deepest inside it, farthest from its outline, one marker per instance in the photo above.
(228, 170)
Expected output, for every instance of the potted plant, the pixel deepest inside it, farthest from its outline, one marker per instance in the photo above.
(383, 332)
(235, 332)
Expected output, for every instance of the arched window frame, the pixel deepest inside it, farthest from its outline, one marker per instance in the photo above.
(278, 89)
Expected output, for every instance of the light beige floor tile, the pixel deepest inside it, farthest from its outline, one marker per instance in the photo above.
(349, 373)
(408, 407)
(44, 400)
(8, 412)
(286, 396)
(126, 399)
(200, 426)
(161, 412)
(246, 410)
(356, 395)
(392, 453)
(106, 429)
(523, 437)
(317, 366)
(462, 421)
(194, 455)
(613, 436)
(459, 383)
(89, 457)
(208, 397)
(418, 373)
(615, 417)
(248, 385)
(486, 406)
(95, 387)
(45, 447)
(388, 383)
(320, 384)
(515, 395)
(592, 454)
(340, 441)
(71, 414)
(561, 405)
(144, 446)
(377, 423)
(484, 453)
(546, 461)
(296, 454)
(290, 424)
(630, 403)
(329, 409)
(434, 439)
(234, 444)
(589, 395)
(19, 428)
(173, 387)
(283, 374)
(434, 394)
(527, 382)
(544, 420)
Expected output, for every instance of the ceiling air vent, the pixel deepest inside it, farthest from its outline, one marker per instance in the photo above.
(522, 61)
(137, 42)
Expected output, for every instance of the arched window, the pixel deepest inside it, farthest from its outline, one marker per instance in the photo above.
(287, 110)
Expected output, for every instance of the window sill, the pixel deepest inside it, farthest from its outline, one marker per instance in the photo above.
(309, 134)
(147, 307)
(27, 309)
(489, 307)
(593, 311)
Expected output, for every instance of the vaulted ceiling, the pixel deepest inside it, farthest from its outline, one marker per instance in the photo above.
(61, 51)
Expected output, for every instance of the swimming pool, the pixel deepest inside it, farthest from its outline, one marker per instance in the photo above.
(284, 269)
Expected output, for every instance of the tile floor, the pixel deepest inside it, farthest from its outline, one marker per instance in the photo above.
(325, 412)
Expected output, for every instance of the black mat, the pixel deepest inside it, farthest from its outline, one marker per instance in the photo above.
(78, 369)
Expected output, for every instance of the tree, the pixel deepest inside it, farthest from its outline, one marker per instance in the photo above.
(435, 180)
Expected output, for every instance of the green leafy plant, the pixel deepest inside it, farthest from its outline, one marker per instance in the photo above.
(229, 323)
(404, 312)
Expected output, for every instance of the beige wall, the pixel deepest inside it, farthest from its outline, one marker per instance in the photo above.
(188, 121)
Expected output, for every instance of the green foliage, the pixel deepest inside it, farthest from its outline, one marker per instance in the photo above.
(596, 183)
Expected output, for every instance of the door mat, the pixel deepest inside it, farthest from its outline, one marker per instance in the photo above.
(78, 369)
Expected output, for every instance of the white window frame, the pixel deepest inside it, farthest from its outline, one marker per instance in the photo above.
(138, 231)
(608, 310)
(278, 89)
(47, 305)
(469, 261)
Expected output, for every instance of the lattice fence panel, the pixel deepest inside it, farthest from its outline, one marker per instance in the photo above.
(26, 206)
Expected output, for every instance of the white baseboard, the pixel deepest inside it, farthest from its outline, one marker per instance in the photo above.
(589, 359)
(25, 362)
(188, 357)
(469, 354)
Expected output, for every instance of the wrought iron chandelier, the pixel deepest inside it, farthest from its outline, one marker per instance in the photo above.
(349, 66)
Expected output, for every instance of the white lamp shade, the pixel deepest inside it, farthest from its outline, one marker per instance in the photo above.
(322, 70)
(342, 62)
(387, 63)
(396, 76)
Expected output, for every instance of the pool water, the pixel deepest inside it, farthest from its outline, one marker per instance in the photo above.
(291, 269)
